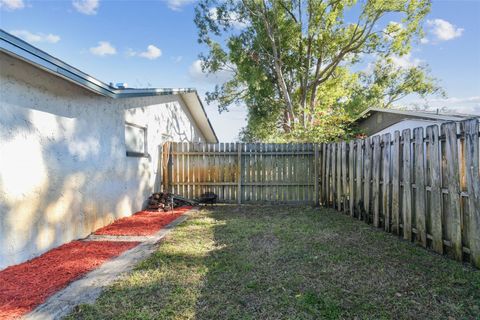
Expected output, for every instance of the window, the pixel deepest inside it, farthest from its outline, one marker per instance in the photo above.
(135, 140)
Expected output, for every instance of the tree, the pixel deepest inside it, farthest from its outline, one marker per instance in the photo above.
(290, 58)
(388, 83)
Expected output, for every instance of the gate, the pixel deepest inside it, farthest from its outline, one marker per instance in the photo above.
(243, 172)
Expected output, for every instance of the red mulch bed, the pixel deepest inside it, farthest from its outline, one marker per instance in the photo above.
(142, 223)
(27, 285)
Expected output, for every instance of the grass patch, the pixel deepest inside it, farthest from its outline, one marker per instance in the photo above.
(278, 262)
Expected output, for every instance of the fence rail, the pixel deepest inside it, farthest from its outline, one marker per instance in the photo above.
(421, 184)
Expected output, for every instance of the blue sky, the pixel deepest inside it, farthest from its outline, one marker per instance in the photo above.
(154, 44)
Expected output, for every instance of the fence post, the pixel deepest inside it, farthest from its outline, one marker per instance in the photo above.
(453, 180)
(315, 166)
(239, 173)
(473, 188)
(170, 167)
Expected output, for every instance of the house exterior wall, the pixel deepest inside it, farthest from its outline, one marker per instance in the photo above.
(63, 165)
(407, 124)
(382, 122)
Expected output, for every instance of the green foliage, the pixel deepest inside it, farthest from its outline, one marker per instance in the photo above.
(291, 61)
(388, 83)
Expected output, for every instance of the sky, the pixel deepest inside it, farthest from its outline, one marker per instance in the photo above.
(154, 44)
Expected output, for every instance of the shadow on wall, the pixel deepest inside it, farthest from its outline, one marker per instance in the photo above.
(55, 189)
(171, 118)
(63, 171)
(63, 168)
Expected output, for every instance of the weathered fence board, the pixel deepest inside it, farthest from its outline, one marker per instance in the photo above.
(453, 184)
(386, 187)
(407, 186)
(359, 178)
(396, 195)
(345, 191)
(367, 178)
(473, 187)
(435, 188)
(245, 173)
(423, 186)
(420, 202)
(351, 176)
(376, 181)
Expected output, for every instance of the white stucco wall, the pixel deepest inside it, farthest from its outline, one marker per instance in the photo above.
(63, 165)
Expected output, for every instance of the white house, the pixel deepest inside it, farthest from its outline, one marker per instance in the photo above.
(76, 153)
(378, 121)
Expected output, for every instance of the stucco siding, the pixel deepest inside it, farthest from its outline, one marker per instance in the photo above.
(63, 165)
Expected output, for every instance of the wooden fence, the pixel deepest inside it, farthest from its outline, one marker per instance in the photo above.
(244, 173)
(423, 185)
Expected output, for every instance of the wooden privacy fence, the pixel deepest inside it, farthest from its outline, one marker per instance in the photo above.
(244, 173)
(423, 185)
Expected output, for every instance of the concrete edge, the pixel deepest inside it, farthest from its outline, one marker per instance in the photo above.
(88, 288)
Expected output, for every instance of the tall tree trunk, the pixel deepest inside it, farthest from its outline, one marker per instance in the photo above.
(278, 68)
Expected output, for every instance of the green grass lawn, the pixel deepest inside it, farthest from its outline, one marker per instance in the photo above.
(284, 262)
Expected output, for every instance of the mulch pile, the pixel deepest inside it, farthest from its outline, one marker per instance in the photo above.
(142, 223)
(27, 285)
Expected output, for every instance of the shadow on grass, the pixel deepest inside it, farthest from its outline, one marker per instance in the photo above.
(283, 262)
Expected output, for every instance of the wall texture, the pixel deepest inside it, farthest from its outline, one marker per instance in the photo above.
(63, 165)
(408, 124)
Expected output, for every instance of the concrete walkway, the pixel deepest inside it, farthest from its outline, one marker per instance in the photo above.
(88, 288)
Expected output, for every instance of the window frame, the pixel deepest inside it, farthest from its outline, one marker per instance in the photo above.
(136, 154)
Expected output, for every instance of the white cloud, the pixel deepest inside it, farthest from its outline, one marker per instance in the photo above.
(176, 5)
(152, 53)
(104, 48)
(399, 62)
(88, 7)
(424, 41)
(12, 4)
(444, 30)
(232, 17)
(177, 59)
(196, 74)
(131, 52)
(35, 37)
(195, 70)
(466, 105)
(406, 61)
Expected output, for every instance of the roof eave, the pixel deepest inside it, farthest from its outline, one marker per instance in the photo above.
(22, 50)
(365, 113)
